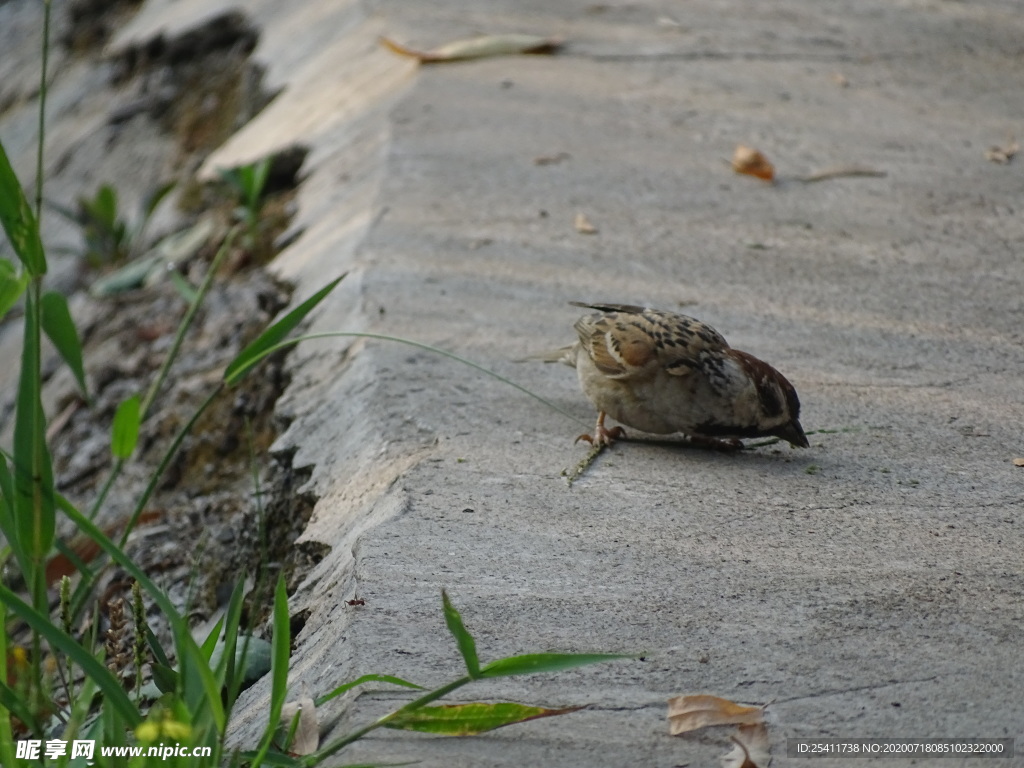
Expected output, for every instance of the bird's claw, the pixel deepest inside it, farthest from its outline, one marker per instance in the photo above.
(602, 436)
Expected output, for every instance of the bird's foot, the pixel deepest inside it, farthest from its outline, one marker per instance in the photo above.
(602, 435)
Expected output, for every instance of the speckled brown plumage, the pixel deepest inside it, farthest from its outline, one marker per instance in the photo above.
(663, 372)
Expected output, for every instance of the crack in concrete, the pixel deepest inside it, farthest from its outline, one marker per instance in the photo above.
(855, 689)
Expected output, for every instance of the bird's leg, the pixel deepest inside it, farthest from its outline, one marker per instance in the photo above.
(602, 435)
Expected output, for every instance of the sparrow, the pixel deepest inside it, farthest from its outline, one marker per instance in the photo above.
(663, 372)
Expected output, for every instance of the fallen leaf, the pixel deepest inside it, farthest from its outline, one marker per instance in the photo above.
(688, 713)
(1003, 155)
(478, 47)
(749, 161)
(751, 748)
(1018, 462)
(84, 549)
(842, 172)
(583, 225)
(306, 739)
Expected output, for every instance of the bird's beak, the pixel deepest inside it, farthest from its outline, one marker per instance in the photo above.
(793, 433)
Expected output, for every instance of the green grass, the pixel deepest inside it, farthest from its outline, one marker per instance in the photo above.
(61, 685)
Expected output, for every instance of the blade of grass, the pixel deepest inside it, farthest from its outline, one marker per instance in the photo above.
(34, 512)
(186, 291)
(156, 647)
(165, 461)
(43, 89)
(210, 643)
(365, 679)
(110, 685)
(161, 376)
(125, 430)
(12, 285)
(149, 206)
(272, 336)
(188, 651)
(18, 221)
(533, 663)
(472, 718)
(199, 689)
(8, 520)
(279, 669)
(61, 330)
(6, 737)
(237, 373)
(465, 641)
(344, 741)
(15, 705)
(186, 321)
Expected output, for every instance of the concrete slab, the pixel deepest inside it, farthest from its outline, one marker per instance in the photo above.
(870, 586)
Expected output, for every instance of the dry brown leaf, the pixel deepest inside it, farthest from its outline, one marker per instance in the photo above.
(1018, 462)
(688, 713)
(751, 748)
(583, 225)
(86, 549)
(478, 47)
(751, 162)
(307, 733)
(1003, 155)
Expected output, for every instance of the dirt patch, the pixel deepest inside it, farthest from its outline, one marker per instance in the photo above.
(224, 508)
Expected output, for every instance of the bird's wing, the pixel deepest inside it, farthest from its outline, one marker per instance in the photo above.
(626, 341)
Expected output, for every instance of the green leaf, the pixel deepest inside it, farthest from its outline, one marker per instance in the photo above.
(211, 640)
(532, 663)
(12, 285)
(470, 719)
(8, 522)
(467, 645)
(154, 198)
(225, 668)
(255, 182)
(104, 207)
(33, 471)
(197, 683)
(61, 330)
(279, 670)
(17, 705)
(125, 432)
(149, 206)
(365, 679)
(156, 647)
(18, 220)
(255, 352)
(165, 677)
(198, 687)
(186, 291)
(112, 690)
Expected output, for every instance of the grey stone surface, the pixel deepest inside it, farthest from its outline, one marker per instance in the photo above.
(868, 586)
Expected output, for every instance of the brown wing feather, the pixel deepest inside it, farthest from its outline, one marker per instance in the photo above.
(623, 340)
